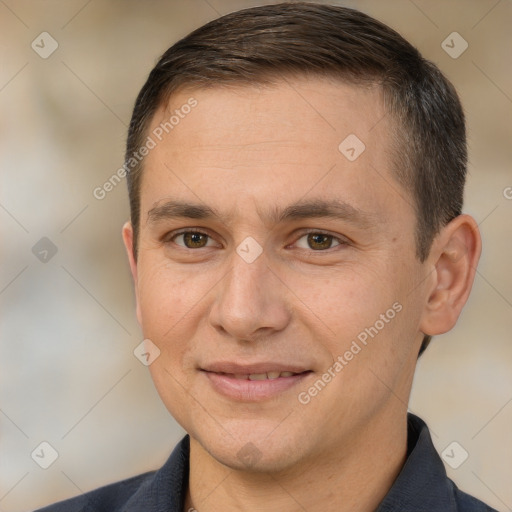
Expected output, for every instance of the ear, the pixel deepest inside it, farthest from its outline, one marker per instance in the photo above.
(454, 256)
(128, 243)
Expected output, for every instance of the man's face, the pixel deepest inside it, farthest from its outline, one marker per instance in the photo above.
(219, 311)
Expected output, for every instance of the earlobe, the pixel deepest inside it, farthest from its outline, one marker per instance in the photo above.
(127, 233)
(456, 252)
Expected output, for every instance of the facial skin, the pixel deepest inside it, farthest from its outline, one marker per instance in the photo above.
(248, 153)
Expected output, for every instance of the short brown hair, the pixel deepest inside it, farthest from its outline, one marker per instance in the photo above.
(263, 44)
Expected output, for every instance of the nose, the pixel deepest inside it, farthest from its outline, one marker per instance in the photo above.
(251, 301)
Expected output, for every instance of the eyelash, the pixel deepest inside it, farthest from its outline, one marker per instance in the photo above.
(174, 235)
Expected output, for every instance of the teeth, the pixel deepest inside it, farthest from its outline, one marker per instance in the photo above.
(261, 376)
(265, 376)
(258, 376)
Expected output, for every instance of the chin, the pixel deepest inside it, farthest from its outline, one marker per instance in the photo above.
(253, 458)
(256, 447)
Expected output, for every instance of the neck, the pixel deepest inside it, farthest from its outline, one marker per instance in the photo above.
(343, 480)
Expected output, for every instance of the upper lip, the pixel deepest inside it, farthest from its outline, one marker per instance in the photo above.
(253, 368)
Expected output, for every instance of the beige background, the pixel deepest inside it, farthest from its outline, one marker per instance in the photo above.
(68, 374)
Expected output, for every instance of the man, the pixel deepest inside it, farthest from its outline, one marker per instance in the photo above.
(296, 175)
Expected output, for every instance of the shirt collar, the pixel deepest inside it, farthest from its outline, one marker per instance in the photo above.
(422, 484)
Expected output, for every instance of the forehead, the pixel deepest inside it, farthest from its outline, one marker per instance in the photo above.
(324, 108)
(263, 145)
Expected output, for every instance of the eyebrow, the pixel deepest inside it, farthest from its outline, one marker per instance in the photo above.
(316, 208)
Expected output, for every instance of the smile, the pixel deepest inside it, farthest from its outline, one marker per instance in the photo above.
(254, 387)
(261, 376)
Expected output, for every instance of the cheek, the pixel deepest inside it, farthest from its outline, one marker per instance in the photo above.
(170, 301)
(341, 302)
(359, 313)
(165, 295)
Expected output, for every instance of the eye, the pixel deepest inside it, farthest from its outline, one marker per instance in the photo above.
(318, 241)
(191, 239)
(315, 240)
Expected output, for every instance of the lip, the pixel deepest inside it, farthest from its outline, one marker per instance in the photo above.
(221, 377)
(261, 367)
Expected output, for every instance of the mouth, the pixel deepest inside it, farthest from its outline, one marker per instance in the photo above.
(253, 383)
(260, 376)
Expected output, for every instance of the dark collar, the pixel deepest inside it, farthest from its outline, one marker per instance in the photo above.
(421, 486)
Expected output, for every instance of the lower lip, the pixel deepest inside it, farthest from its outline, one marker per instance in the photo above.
(252, 390)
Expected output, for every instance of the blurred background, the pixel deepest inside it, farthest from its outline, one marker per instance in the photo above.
(69, 74)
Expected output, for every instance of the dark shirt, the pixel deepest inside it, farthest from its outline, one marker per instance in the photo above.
(421, 486)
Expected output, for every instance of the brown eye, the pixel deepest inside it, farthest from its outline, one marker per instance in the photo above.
(317, 241)
(192, 239)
